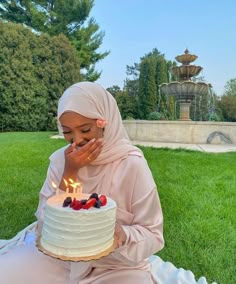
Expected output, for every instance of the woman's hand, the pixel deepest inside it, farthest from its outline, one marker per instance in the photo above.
(78, 157)
(120, 235)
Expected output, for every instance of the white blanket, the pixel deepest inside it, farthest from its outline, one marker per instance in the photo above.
(163, 272)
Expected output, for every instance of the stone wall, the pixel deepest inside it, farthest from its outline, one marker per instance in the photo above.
(193, 132)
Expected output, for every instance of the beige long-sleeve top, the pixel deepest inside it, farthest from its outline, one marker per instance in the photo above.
(130, 183)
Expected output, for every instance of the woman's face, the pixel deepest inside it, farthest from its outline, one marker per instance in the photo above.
(79, 129)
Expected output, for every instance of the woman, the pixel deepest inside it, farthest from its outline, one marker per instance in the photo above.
(101, 156)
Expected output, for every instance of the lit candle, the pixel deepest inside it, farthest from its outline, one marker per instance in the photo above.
(79, 188)
(73, 189)
(76, 186)
(72, 184)
(56, 188)
(66, 183)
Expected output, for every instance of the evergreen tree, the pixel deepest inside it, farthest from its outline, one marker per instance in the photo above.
(164, 105)
(147, 87)
(161, 71)
(55, 17)
(162, 77)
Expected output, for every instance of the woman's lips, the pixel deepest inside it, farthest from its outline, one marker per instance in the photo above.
(81, 145)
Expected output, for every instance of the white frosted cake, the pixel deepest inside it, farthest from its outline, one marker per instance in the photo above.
(77, 232)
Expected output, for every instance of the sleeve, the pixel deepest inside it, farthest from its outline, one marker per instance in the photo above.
(145, 234)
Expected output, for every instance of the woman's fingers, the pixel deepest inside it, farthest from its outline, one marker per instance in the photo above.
(94, 151)
(82, 156)
(70, 149)
(120, 235)
(87, 146)
(90, 151)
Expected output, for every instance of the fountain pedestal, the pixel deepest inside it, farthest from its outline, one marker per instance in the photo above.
(184, 111)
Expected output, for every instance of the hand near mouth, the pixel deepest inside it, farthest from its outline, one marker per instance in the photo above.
(77, 157)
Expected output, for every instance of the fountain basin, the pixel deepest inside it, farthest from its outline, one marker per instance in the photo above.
(186, 58)
(185, 90)
(188, 132)
(185, 72)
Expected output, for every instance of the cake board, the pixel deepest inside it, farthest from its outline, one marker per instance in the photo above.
(84, 258)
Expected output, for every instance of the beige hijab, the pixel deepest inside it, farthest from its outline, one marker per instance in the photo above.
(93, 101)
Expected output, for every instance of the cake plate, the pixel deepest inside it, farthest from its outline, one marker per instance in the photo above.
(82, 258)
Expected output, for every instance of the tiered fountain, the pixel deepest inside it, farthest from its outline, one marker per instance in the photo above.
(183, 131)
(185, 89)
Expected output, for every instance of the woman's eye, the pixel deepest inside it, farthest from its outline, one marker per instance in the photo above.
(85, 130)
(66, 132)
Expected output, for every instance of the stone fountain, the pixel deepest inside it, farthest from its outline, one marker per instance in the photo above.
(185, 89)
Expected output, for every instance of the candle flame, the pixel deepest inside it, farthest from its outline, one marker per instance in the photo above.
(76, 186)
(54, 185)
(73, 185)
(66, 183)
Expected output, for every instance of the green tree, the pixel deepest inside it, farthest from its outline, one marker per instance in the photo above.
(135, 79)
(114, 90)
(227, 103)
(217, 111)
(131, 85)
(70, 18)
(34, 71)
(162, 66)
(161, 72)
(147, 87)
(127, 98)
(228, 107)
(230, 88)
(127, 105)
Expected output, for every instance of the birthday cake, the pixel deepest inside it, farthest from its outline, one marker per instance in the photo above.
(78, 228)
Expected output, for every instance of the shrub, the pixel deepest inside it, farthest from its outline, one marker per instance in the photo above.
(213, 116)
(129, 118)
(155, 116)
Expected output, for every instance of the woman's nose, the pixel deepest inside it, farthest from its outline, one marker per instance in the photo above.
(77, 138)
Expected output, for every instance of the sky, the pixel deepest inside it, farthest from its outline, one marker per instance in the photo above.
(134, 28)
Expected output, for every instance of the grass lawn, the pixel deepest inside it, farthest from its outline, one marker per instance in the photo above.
(197, 191)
